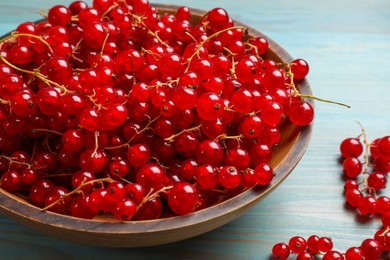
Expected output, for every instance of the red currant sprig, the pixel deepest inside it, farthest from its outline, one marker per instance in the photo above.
(366, 165)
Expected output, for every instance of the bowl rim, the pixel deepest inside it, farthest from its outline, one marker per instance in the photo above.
(15, 208)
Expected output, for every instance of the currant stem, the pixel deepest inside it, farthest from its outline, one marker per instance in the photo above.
(172, 137)
(138, 133)
(78, 189)
(168, 83)
(139, 20)
(366, 155)
(11, 161)
(15, 34)
(296, 91)
(253, 47)
(324, 100)
(35, 73)
(233, 67)
(42, 13)
(152, 194)
(102, 50)
(4, 102)
(55, 175)
(96, 144)
(224, 137)
(109, 10)
(207, 39)
(385, 232)
(36, 130)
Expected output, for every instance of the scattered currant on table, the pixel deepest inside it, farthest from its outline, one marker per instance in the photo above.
(115, 108)
(366, 166)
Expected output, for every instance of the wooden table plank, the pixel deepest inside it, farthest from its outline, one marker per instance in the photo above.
(347, 43)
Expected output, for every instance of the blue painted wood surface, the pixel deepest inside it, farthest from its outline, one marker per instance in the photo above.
(347, 44)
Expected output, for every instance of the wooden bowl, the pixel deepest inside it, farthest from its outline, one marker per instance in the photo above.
(108, 232)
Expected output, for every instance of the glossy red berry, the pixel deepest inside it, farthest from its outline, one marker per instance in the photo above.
(353, 253)
(58, 196)
(353, 197)
(207, 177)
(79, 207)
(229, 177)
(325, 244)
(352, 167)
(384, 147)
(312, 244)
(38, 191)
(183, 198)
(299, 68)
(281, 251)
(264, 174)
(124, 209)
(371, 249)
(333, 255)
(301, 113)
(151, 177)
(297, 244)
(367, 206)
(11, 181)
(210, 106)
(305, 256)
(351, 147)
(59, 15)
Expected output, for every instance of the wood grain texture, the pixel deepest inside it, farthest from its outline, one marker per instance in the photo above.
(347, 44)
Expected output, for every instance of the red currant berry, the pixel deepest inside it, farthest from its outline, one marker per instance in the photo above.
(151, 176)
(377, 181)
(229, 177)
(264, 174)
(301, 113)
(351, 184)
(333, 255)
(371, 249)
(59, 15)
(138, 155)
(252, 126)
(353, 253)
(11, 181)
(299, 68)
(79, 207)
(124, 209)
(352, 167)
(353, 197)
(57, 200)
(367, 206)
(151, 209)
(383, 204)
(210, 106)
(116, 191)
(183, 198)
(351, 147)
(281, 251)
(297, 244)
(305, 256)
(207, 177)
(384, 147)
(312, 244)
(325, 244)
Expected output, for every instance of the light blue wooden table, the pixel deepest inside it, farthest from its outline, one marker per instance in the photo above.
(347, 43)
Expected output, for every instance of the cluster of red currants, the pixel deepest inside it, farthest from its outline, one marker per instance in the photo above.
(314, 245)
(116, 108)
(372, 169)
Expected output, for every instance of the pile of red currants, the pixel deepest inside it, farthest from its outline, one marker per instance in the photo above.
(366, 166)
(115, 108)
